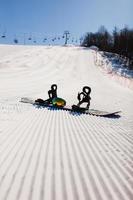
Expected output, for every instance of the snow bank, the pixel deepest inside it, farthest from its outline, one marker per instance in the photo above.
(115, 68)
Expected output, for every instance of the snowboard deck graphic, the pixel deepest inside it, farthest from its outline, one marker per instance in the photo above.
(75, 108)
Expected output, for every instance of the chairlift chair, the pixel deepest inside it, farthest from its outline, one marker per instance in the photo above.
(44, 40)
(3, 36)
(16, 41)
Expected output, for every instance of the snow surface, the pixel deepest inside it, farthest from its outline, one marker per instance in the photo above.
(54, 155)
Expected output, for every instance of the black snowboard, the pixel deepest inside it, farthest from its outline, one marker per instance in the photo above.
(74, 109)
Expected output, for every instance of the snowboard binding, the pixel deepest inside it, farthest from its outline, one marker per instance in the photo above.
(83, 97)
(53, 99)
(53, 92)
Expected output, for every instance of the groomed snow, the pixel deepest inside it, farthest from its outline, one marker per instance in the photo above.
(54, 155)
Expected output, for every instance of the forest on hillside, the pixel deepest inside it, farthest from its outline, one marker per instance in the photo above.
(119, 42)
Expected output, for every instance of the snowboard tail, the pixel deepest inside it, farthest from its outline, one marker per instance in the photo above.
(93, 111)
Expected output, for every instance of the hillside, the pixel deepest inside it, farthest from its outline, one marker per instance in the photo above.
(54, 155)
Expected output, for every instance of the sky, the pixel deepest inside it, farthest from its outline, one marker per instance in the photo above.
(40, 18)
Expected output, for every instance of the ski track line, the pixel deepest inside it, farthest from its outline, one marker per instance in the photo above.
(75, 194)
(118, 147)
(119, 153)
(124, 133)
(7, 131)
(38, 158)
(86, 186)
(45, 162)
(27, 182)
(89, 170)
(14, 149)
(61, 165)
(127, 144)
(95, 154)
(119, 175)
(101, 179)
(11, 135)
(33, 137)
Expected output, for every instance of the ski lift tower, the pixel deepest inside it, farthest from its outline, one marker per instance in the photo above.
(66, 34)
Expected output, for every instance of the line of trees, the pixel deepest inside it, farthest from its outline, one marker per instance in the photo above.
(120, 42)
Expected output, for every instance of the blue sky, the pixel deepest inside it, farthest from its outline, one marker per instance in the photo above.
(52, 17)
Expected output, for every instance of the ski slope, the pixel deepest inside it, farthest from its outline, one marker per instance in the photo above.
(54, 155)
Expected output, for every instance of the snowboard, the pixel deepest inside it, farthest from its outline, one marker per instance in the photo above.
(73, 109)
